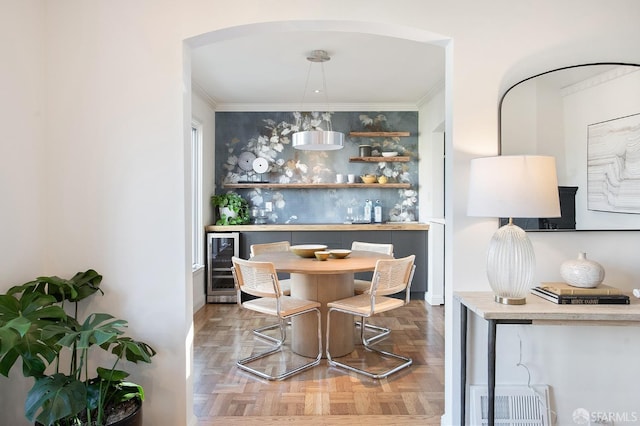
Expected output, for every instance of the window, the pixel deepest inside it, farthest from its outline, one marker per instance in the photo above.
(197, 233)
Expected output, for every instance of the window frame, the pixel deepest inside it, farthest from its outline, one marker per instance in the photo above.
(197, 227)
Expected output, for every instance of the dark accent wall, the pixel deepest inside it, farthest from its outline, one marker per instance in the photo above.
(268, 135)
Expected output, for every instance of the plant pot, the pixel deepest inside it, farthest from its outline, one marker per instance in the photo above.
(133, 418)
(226, 211)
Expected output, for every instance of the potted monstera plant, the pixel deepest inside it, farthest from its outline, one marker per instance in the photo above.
(39, 325)
(232, 209)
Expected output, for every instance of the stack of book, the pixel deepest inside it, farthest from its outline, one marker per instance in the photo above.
(564, 294)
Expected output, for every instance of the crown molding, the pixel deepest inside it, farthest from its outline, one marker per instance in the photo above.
(204, 95)
(433, 91)
(232, 107)
(599, 79)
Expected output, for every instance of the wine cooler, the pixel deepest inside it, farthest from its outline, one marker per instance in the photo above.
(221, 247)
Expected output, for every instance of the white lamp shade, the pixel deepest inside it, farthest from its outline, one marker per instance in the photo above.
(318, 140)
(513, 186)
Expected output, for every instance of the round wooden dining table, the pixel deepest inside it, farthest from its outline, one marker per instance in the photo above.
(322, 281)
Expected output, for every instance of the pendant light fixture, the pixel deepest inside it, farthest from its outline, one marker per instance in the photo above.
(318, 139)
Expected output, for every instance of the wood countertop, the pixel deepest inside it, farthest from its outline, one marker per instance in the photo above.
(392, 226)
(357, 261)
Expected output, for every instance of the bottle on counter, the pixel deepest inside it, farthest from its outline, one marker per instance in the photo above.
(368, 206)
(377, 212)
(349, 218)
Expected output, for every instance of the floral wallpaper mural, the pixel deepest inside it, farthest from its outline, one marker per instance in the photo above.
(243, 137)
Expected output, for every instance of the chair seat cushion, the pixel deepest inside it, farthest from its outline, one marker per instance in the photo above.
(288, 305)
(361, 304)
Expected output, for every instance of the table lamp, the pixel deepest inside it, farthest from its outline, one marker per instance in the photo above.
(512, 186)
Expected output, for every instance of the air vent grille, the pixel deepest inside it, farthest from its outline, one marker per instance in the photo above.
(515, 405)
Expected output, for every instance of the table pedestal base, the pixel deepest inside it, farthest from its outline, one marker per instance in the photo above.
(323, 288)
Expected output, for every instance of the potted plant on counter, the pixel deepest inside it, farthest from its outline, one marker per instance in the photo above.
(232, 209)
(38, 326)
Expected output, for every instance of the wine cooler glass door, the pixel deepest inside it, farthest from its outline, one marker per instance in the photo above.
(221, 247)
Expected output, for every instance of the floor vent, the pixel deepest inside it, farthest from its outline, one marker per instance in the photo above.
(515, 405)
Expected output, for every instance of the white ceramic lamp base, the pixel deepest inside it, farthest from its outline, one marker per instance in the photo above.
(510, 265)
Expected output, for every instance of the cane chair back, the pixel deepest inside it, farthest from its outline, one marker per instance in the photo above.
(269, 247)
(257, 278)
(375, 247)
(279, 246)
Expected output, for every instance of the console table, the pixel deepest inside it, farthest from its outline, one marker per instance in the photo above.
(535, 311)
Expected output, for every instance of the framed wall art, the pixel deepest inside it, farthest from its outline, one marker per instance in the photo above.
(613, 165)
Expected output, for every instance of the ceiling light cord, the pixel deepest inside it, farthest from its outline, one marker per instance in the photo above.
(306, 85)
(321, 57)
(326, 96)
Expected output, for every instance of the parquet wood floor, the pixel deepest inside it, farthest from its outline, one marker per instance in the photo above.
(226, 395)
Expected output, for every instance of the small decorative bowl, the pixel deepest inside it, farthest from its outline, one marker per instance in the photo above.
(369, 178)
(307, 250)
(322, 255)
(340, 254)
(389, 154)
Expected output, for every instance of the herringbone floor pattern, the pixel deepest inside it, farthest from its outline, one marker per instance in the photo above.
(225, 395)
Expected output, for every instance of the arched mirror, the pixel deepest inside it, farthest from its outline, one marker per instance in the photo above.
(588, 117)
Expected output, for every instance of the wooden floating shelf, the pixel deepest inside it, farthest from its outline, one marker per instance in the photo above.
(379, 134)
(400, 159)
(317, 185)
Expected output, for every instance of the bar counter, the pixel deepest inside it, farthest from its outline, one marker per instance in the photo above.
(407, 238)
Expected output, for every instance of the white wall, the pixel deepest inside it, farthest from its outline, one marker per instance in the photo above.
(203, 112)
(22, 161)
(114, 127)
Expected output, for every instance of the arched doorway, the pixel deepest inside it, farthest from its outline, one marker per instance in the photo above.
(324, 27)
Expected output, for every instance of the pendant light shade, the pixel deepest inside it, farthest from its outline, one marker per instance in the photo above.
(318, 139)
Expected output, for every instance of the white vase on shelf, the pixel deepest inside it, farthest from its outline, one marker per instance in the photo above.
(582, 272)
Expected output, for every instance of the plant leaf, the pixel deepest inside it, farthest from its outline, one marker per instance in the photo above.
(112, 375)
(8, 337)
(132, 350)
(97, 329)
(55, 397)
(28, 316)
(86, 283)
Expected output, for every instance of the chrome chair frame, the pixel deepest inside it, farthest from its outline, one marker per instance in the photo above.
(285, 308)
(385, 248)
(375, 301)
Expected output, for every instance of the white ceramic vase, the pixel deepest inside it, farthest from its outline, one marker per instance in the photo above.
(582, 272)
(227, 212)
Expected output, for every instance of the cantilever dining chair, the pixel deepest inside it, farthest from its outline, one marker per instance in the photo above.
(390, 276)
(285, 283)
(361, 286)
(260, 279)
